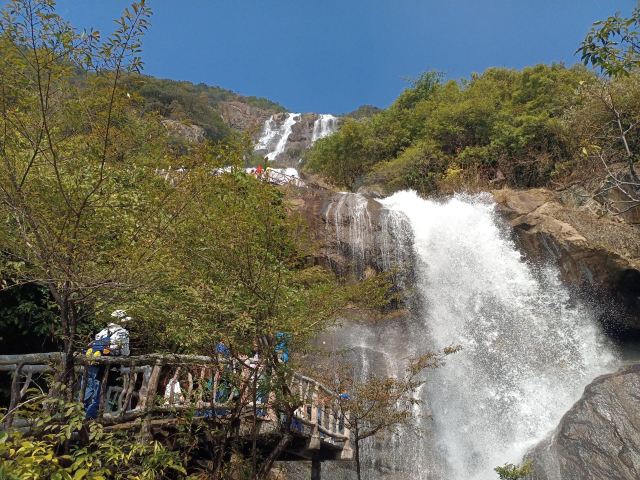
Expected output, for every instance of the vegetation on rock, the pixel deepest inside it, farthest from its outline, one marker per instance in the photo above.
(100, 213)
(523, 128)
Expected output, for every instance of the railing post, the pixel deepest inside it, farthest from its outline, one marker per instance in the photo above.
(214, 389)
(15, 395)
(147, 393)
(130, 388)
(316, 469)
(272, 414)
(314, 441)
(103, 391)
(187, 397)
(144, 387)
(347, 449)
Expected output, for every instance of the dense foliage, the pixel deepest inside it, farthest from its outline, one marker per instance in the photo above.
(105, 455)
(526, 128)
(191, 103)
(93, 219)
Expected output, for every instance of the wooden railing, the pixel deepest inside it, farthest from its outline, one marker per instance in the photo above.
(144, 386)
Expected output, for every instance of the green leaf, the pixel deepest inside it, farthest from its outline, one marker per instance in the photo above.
(80, 473)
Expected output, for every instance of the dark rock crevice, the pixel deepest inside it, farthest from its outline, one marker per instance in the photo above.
(598, 255)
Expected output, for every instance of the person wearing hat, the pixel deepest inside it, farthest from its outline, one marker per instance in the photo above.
(118, 343)
(113, 340)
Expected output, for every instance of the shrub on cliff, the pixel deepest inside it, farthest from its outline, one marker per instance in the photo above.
(503, 119)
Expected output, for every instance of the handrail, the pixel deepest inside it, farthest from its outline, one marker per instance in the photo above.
(139, 381)
(30, 358)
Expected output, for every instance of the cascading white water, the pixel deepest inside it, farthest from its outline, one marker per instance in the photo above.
(324, 126)
(274, 137)
(528, 349)
(350, 218)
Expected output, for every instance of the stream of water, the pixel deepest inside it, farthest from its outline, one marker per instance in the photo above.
(528, 347)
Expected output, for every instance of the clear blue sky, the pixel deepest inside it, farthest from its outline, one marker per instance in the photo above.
(334, 55)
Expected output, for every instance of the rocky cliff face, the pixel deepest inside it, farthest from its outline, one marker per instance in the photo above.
(242, 116)
(183, 131)
(355, 236)
(599, 437)
(599, 254)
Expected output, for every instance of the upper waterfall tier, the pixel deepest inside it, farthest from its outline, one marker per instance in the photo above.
(285, 136)
(324, 126)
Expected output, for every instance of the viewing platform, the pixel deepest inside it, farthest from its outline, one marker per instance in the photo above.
(141, 394)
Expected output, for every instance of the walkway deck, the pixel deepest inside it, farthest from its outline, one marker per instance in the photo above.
(140, 392)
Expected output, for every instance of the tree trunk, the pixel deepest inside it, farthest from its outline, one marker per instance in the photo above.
(254, 427)
(356, 453)
(316, 469)
(273, 456)
(68, 372)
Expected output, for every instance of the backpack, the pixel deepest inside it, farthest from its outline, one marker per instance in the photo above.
(100, 347)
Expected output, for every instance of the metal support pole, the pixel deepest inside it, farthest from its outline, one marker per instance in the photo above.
(315, 469)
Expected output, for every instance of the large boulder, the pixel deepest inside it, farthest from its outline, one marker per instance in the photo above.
(599, 437)
(184, 131)
(599, 253)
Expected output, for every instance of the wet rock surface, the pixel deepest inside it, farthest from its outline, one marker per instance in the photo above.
(598, 253)
(355, 235)
(599, 437)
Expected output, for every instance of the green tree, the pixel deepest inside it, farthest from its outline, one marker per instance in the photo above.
(52, 423)
(613, 45)
(514, 472)
(73, 160)
(377, 405)
(198, 255)
(499, 125)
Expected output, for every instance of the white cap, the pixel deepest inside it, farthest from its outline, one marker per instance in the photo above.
(121, 315)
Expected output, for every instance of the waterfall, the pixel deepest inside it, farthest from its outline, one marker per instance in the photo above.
(528, 347)
(353, 228)
(324, 126)
(274, 137)
(380, 239)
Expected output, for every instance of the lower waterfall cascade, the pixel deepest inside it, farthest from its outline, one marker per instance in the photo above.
(528, 347)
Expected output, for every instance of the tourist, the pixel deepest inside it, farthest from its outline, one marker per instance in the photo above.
(173, 390)
(282, 346)
(113, 340)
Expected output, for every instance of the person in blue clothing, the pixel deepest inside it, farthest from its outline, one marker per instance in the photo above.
(344, 396)
(282, 346)
(223, 350)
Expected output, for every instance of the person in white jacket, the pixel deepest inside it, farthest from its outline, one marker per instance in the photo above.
(119, 336)
(113, 340)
